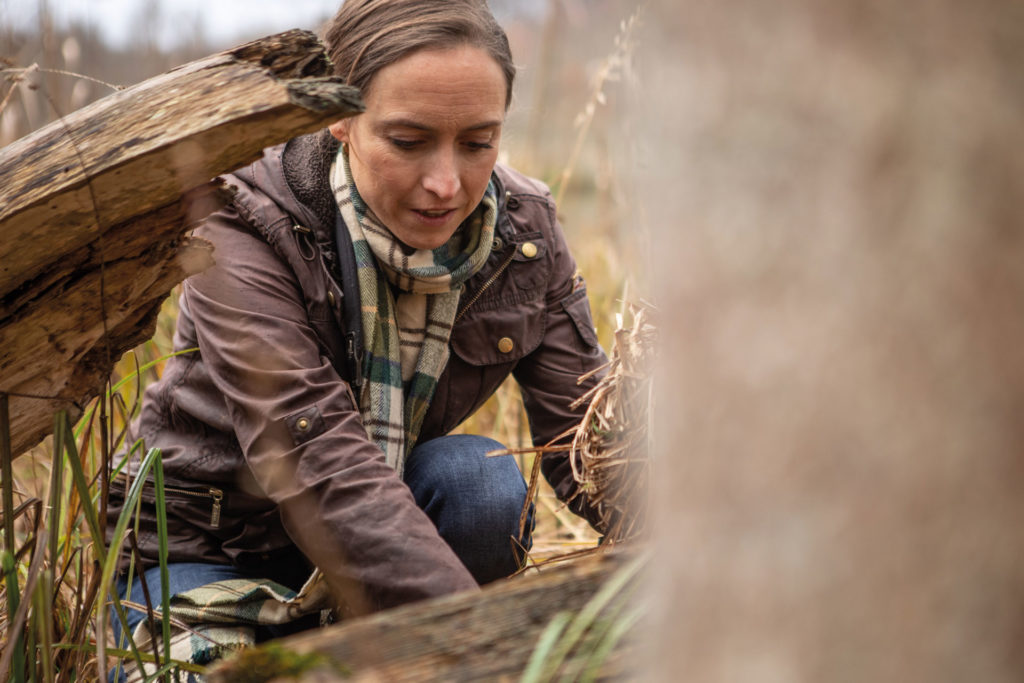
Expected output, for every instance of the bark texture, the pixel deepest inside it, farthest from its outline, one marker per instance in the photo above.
(94, 210)
(485, 636)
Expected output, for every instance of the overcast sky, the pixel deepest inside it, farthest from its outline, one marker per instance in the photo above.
(222, 21)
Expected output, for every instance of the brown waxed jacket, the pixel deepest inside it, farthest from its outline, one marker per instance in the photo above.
(265, 456)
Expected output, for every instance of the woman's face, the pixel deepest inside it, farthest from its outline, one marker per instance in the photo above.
(423, 151)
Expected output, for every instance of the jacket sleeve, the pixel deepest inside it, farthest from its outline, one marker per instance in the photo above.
(300, 430)
(549, 375)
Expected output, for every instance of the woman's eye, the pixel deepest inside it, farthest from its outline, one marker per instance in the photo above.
(479, 145)
(403, 143)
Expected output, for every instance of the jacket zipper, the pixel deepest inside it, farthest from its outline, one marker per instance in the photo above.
(490, 281)
(212, 492)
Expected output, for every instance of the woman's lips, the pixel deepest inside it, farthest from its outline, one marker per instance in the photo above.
(434, 216)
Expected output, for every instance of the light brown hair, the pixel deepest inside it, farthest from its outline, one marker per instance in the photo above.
(367, 35)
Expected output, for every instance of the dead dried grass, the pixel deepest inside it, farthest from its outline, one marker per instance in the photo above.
(610, 453)
(610, 447)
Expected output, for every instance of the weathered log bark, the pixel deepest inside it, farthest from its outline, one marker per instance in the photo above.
(92, 210)
(470, 636)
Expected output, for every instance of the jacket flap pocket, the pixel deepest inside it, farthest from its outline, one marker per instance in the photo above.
(578, 307)
(530, 265)
(529, 246)
(306, 424)
(490, 336)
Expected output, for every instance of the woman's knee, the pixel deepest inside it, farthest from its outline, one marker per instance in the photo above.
(458, 471)
(475, 500)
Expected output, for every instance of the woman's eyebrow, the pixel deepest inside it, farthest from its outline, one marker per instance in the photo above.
(416, 125)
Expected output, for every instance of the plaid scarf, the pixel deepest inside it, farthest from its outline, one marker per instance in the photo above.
(212, 620)
(406, 337)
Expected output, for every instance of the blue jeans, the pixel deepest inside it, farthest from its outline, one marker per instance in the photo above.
(474, 501)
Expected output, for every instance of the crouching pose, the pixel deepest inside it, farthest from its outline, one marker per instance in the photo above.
(374, 284)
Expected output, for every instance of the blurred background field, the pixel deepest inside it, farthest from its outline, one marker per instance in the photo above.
(566, 126)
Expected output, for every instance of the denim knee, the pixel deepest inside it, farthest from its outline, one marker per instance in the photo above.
(475, 501)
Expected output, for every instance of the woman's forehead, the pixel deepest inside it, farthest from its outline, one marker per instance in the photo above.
(459, 76)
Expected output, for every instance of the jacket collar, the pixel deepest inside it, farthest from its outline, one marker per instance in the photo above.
(306, 166)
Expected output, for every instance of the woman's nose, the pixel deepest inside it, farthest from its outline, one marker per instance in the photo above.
(441, 177)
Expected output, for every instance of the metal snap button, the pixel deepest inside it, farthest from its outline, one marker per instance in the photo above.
(497, 244)
(505, 345)
(330, 297)
(529, 249)
(302, 424)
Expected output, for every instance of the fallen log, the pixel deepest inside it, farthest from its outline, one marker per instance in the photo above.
(93, 217)
(489, 635)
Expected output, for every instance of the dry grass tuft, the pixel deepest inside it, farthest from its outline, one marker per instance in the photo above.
(610, 448)
(610, 453)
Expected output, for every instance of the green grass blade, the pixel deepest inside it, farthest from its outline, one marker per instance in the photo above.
(87, 415)
(14, 640)
(586, 617)
(13, 654)
(191, 667)
(587, 652)
(7, 457)
(162, 671)
(86, 496)
(21, 617)
(548, 637)
(117, 540)
(43, 611)
(30, 649)
(150, 364)
(56, 489)
(161, 528)
(103, 557)
(129, 454)
(622, 625)
(123, 619)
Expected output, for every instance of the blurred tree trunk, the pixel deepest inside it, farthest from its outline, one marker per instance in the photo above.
(839, 202)
(93, 209)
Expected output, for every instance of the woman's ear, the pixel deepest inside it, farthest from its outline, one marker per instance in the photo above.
(339, 129)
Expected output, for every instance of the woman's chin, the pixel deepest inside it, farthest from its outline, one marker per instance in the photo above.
(425, 233)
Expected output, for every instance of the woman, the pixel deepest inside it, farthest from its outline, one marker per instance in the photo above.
(292, 439)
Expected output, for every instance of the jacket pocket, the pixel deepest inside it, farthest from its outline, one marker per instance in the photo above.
(577, 306)
(306, 424)
(198, 504)
(530, 266)
(496, 335)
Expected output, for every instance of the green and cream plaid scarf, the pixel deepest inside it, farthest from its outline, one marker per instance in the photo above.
(209, 621)
(406, 337)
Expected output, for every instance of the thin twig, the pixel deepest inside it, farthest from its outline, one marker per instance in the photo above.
(60, 72)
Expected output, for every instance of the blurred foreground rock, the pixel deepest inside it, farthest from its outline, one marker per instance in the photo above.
(93, 217)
